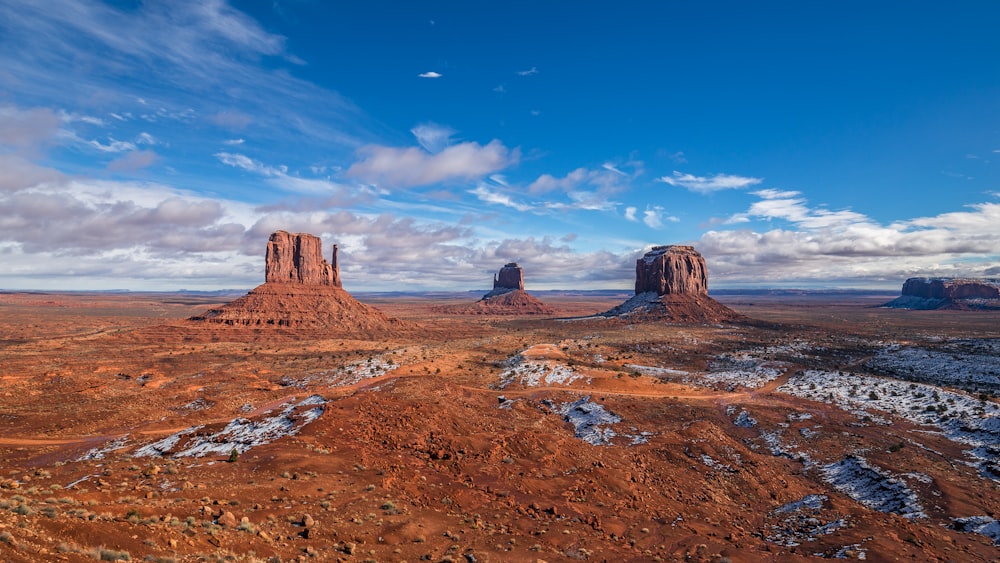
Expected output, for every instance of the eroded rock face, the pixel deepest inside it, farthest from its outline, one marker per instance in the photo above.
(298, 258)
(948, 293)
(951, 288)
(669, 270)
(511, 276)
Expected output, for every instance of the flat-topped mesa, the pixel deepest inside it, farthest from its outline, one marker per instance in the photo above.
(952, 288)
(298, 258)
(668, 270)
(948, 293)
(511, 276)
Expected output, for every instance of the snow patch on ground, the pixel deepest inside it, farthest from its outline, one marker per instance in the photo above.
(802, 523)
(376, 366)
(743, 419)
(535, 373)
(873, 487)
(241, 434)
(592, 422)
(741, 369)
(971, 364)
(983, 525)
(656, 371)
(108, 447)
(639, 302)
(961, 417)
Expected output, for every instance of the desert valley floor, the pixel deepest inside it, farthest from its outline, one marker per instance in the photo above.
(820, 426)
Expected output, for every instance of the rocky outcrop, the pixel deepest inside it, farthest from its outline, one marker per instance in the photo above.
(510, 277)
(507, 297)
(298, 258)
(671, 284)
(667, 270)
(302, 291)
(948, 293)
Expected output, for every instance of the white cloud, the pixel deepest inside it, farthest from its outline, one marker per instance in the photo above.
(433, 137)
(487, 195)
(280, 177)
(816, 245)
(144, 138)
(233, 142)
(408, 167)
(112, 145)
(630, 213)
(529, 72)
(430, 74)
(654, 217)
(704, 184)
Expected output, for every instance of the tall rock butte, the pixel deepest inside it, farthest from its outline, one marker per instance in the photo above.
(298, 258)
(511, 276)
(948, 293)
(671, 283)
(508, 297)
(302, 290)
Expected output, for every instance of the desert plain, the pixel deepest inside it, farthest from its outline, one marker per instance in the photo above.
(818, 426)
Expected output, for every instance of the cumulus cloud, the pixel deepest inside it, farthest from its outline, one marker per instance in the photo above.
(430, 74)
(707, 184)
(408, 167)
(630, 213)
(433, 137)
(814, 244)
(654, 217)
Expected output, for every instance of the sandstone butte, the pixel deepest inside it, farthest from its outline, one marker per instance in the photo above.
(301, 290)
(671, 284)
(948, 293)
(507, 297)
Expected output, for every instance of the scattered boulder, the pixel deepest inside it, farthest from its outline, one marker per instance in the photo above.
(671, 284)
(948, 293)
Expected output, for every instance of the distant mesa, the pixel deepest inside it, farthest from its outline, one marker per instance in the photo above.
(301, 290)
(507, 297)
(671, 284)
(948, 293)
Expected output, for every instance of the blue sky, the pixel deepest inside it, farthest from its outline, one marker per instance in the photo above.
(155, 145)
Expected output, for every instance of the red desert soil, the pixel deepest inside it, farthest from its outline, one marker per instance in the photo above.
(453, 441)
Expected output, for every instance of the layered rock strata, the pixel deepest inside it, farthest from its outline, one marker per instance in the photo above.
(298, 258)
(948, 293)
(671, 284)
(507, 297)
(301, 290)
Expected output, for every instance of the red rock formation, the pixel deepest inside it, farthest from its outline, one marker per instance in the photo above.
(671, 269)
(948, 293)
(671, 284)
(298, 258)
(511, 276)
(302, 290)
(951, 288)
(507, 298)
